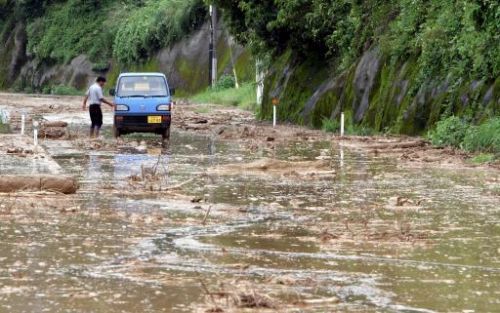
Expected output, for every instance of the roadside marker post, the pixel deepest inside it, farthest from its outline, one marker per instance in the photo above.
(342, 124)
(276, 102)
(35, 133)
(23, 121)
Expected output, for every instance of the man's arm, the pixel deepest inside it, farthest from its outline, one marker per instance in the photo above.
(111, 104)
(84, 107)
(103, 100)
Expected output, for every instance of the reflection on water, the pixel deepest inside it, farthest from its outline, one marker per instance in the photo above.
(377, 237)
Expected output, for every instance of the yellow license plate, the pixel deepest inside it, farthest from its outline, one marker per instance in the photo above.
(154, 119)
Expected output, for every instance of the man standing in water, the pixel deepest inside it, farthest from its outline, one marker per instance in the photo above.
(95, 96)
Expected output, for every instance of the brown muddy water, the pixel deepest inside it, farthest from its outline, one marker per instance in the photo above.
(370, 237)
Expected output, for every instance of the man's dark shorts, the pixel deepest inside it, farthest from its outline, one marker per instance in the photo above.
(95, 115)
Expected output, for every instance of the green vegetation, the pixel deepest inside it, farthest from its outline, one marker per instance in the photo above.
(484, 137)
(329, 125)
(483, 158)
(62, 90)
(243, 97)
(129, 30)
(4, 128)
(456, 132)
(449, 132)
(224, 82)
(154, 25)
(435, 57)
(448, 38)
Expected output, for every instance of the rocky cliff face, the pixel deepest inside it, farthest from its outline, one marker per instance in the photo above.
(373, 93)
(185, 63)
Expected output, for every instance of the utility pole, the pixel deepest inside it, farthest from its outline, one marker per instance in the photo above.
(213, 46)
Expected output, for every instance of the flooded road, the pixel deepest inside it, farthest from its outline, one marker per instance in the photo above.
(209, 225)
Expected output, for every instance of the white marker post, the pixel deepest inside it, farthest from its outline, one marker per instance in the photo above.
(35, 133)
(275, 111)
(23, 121)
(342, 124)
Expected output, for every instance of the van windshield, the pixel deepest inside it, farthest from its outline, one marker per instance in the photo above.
(142, 86)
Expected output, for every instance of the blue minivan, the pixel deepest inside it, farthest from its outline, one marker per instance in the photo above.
(143, 104)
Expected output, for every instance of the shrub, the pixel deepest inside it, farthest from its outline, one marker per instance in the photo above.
(225, 82)
(63, 90)
(483, 138)
(449, 132)
(330, 125)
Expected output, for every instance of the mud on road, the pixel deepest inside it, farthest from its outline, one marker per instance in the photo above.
(235, 216)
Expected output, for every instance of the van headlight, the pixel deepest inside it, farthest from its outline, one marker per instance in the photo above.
(122, 107)
(163, 107)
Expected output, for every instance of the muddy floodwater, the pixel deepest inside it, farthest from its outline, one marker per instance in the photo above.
(366, 234)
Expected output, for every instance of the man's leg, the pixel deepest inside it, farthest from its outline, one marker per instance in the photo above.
(92, 120)
(98, 121)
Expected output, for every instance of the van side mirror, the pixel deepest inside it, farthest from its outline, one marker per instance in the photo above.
(112, 92)
(172, 91)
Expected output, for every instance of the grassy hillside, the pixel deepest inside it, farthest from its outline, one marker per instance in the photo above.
(129, 30)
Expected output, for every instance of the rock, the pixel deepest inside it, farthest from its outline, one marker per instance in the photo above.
(401, 201)
(14, 150)
(52, 133)
(55, 124)
(66, 185)
(196, 200)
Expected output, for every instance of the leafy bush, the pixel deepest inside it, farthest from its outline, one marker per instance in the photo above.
(483, 138)
(63, 90)
(449, 132)
(225, 82)
(330, 125)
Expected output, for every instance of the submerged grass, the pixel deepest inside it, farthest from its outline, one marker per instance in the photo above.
(243, 97)
(483, 158)
(4, 128)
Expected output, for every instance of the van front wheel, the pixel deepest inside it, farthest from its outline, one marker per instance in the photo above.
(165, 133)
(116, 131)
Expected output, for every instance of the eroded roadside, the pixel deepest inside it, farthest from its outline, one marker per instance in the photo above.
(235, 215)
